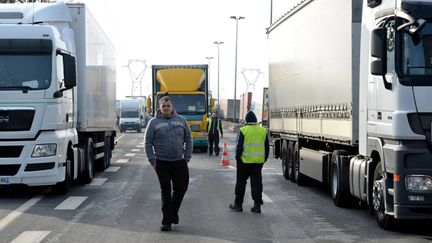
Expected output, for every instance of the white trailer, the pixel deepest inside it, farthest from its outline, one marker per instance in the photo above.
(57, 95)
(350, 92)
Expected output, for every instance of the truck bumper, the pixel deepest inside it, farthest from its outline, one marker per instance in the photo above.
(405, 159)
(22, 168)
(130, 126)
(200, 142)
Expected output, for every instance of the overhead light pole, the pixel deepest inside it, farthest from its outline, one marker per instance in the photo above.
(209, 59)
(218, 43)
(236, 18)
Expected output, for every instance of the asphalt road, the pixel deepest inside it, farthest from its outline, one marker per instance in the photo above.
(123, 205)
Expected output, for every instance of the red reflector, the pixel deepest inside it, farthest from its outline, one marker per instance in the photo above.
(396, 177)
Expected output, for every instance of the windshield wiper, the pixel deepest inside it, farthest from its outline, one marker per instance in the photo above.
(24, 89)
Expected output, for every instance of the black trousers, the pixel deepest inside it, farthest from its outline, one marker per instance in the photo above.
(177, 173)
(213, 141)
(244, 171)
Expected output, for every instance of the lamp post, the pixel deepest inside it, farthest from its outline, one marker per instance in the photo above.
(236, 18)
(218, 43)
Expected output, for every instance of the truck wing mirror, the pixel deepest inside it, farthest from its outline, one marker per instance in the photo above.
(379, 52)
(69, 66)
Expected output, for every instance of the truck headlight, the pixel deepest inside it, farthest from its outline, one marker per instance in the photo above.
(44, 150)
(418, 183)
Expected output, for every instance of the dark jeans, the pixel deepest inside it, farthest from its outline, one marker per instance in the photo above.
(176, 172)
(213, 139)
(244, 171)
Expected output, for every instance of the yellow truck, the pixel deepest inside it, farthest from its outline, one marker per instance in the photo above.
(187, 85)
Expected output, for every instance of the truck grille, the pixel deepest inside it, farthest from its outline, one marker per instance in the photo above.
(9, 170)
(10, 151)
(16, 120)
(39, 166)
(195, 127)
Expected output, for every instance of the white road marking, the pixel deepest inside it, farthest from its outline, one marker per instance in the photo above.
(112, 169)
(31, 237)
(119, 138)
(140, 146)
(136, 150)
(141, 143)
(71, 203)
(232, 167)
(269, 168)
(122, 161)
(4, 222)
(266, 199)
(98, 181)
(130, 154)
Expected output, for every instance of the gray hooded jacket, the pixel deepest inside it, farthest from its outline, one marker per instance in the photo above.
(168, 139)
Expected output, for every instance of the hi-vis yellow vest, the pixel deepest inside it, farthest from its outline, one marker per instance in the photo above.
(210, 120)
(254, 144)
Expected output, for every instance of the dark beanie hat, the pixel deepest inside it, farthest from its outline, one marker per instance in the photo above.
(250, 117)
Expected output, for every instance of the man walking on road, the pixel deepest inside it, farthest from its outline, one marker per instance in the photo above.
(251, 153)
(168, 145)
(213, 128)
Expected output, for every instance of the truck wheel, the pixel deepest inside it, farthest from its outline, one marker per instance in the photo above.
(107, 152)
(291, 161)
(339, 180)
(285, 156)
(139, 130)
(298, 176)
(63, 187)
(88, 174)
(378, 189)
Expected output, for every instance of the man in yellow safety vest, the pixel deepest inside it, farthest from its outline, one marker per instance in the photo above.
(251, 153)
(213, 128)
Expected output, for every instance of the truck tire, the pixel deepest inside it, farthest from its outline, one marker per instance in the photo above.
(285, 160)
(108, 150)
(63, 187)
(291, 161)
(88, 173)
(301, 179)
(384, 220)
(339, 181)
(139, 130)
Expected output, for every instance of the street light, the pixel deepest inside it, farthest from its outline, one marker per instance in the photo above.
(209, 59)
(236, 18)
(218, 57)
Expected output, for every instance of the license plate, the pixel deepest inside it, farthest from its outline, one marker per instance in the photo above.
(4, 180)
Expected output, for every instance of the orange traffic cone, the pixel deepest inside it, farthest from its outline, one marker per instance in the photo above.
(225, 160)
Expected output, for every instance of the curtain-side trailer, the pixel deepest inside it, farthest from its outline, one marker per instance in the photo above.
(350, 93)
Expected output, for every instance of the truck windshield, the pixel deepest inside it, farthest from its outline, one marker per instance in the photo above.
(417, 52)
(25, 71)
(129, 114)
(188, 103)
